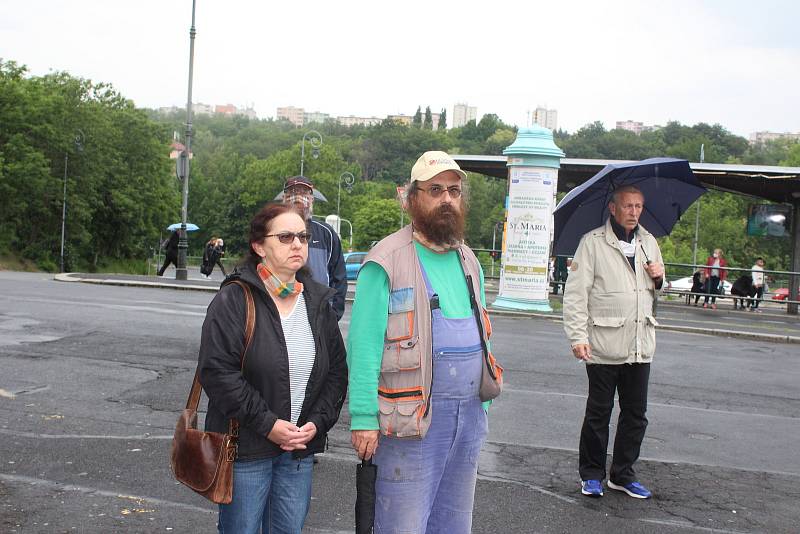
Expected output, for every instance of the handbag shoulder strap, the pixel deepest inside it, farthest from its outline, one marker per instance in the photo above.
(249, 329)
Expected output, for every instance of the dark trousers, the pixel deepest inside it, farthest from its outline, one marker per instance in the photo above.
(759, 296)
(713, 286)
(630, 381)
(170, 259)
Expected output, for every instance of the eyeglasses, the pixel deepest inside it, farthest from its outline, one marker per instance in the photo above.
(437, 190)
(287, 238)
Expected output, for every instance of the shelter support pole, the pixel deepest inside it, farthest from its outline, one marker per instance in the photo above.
(794, 281)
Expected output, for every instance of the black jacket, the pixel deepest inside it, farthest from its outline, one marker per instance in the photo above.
(260, 394)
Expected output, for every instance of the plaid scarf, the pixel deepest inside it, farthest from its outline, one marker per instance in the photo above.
(275, 285)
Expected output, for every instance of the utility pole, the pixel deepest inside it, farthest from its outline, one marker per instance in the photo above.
(181, 272)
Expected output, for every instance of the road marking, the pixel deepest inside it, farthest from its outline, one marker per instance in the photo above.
(166, 309)
(61, 486)
(507, 389)
(691, 526)
(35, 435)
(534, 487)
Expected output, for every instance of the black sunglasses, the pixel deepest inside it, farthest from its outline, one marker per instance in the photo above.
(287, 238)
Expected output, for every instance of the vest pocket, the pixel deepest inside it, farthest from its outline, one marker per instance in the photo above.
(401, 356)
(401, 411)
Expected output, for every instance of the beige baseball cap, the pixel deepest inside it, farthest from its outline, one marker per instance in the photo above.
(432, 163)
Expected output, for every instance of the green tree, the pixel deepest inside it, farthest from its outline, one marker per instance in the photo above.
(443, 120)
(374, 220)
(416, 122)
(427, 124)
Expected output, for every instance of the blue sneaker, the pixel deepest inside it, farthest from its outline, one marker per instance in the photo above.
(634, 489)
(592, 488)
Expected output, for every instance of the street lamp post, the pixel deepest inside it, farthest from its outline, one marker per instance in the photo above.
(315, 138)
(349, 180)
(181, 272)
(79, 139)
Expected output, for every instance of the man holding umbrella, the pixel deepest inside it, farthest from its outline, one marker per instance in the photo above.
(608, 318)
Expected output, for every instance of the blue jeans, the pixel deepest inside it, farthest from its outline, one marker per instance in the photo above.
(270, 495)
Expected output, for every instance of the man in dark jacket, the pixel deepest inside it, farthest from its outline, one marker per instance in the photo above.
(325, 258)
(170, 247)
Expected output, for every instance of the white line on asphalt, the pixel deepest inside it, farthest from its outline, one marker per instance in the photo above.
(163, 310)
(507, 389)
(692, 526)
(60, 486)
(35, 435)
(528, 485)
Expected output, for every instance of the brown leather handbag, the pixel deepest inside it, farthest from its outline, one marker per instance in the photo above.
(203, 461)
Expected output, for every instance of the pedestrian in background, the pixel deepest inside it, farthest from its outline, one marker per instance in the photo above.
(415, 317)
(325, 257)
(608, 319)
(698, 286)
(212, 255)
(288, 391)
(170, 246)
(715, 276)
(758, 282)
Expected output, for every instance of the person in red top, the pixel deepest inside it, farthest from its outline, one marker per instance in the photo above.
(715, 276)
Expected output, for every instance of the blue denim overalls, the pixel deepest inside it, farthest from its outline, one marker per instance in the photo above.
(428, 485)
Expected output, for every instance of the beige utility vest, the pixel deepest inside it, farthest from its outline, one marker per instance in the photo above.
(406, 366)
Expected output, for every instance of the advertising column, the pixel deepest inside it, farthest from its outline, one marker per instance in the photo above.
(533, 162)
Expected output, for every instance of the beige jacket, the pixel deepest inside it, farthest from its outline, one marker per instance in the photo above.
(606, 304)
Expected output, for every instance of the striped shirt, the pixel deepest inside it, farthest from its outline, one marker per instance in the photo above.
(300, 345)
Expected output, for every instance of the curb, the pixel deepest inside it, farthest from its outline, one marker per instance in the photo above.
(70, 277)
(771, 338)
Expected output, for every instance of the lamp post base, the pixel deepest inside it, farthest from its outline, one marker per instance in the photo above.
(181, 274)
(535, 305)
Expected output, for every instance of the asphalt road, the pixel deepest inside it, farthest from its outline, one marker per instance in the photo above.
(92, 378)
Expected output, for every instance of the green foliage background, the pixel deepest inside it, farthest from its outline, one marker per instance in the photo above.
(122, 191)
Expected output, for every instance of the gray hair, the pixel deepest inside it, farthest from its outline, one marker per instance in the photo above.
(625, 189)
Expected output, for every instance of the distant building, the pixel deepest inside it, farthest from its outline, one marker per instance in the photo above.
(636, 127)
(631, 126)
(435, 120)
(202, 109)
(545, 117)
(405, 120)
(227, 109)
(170, 109)
(462, 114)
(292, 114)
(763, 137)
(350, 120)
(315, 116)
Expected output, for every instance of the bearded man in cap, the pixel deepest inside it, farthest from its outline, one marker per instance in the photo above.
(325, 258)
(421, 373)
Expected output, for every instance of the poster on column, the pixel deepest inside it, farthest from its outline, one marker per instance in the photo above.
(527, 238)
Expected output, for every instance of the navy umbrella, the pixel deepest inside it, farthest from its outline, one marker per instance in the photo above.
(668, 185)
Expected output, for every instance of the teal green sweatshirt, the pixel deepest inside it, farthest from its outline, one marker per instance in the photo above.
(371, 313)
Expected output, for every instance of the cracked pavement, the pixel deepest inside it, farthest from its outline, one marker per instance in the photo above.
(93, 378)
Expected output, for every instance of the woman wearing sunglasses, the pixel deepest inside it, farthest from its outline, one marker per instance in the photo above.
(291, 384)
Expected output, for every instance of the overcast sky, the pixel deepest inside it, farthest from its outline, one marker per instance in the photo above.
(736, 63)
